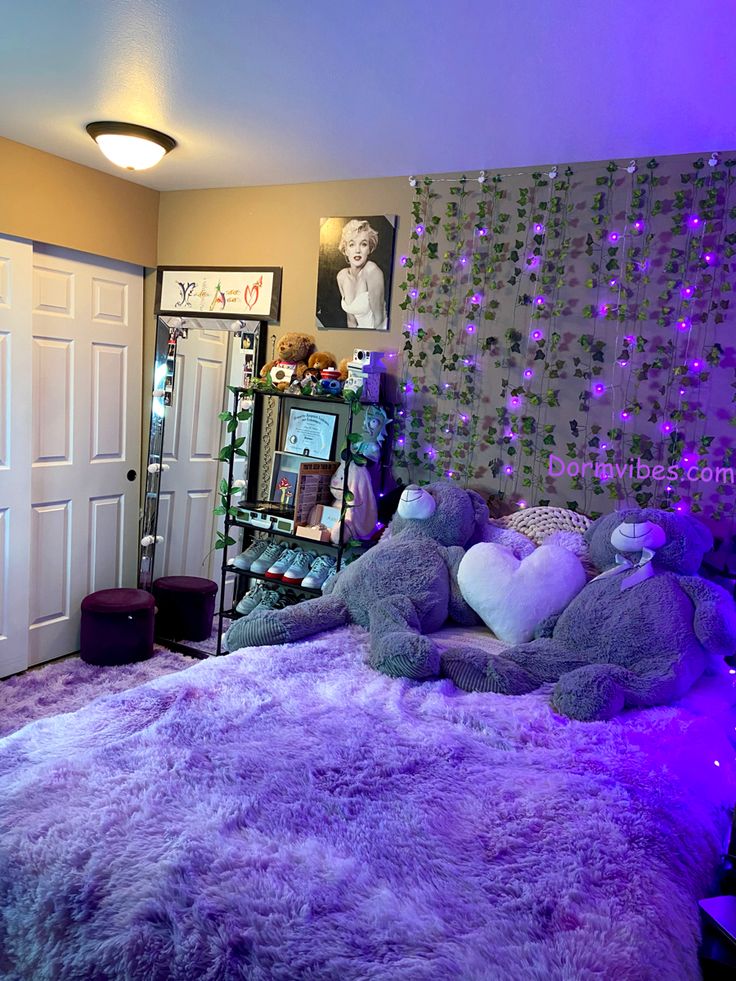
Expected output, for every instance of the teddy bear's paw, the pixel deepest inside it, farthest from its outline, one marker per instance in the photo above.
(588, 693)
(401, 654)
(256, 631)
(472, 669)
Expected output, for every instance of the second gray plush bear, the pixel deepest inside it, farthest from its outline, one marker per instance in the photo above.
(400, 590)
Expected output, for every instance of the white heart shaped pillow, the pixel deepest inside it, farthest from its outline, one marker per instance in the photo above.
(513, 595)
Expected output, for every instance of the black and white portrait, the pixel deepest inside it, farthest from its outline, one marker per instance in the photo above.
(354, 275)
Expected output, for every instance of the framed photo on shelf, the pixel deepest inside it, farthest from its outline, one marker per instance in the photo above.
(284, 477)
(356, 255)
(310, 433)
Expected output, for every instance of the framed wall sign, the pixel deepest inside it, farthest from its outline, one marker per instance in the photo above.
(310, 433)
(209, 291)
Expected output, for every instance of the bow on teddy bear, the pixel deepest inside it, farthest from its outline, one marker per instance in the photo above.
(639, 634)
(400, 590)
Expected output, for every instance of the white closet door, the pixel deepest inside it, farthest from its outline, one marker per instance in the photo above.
(16, 263)
(85, 438)
(192, 442)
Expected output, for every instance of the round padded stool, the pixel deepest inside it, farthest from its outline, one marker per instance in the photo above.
(117, 626)
(186, 606)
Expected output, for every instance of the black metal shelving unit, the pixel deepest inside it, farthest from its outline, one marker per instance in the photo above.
(258, 396)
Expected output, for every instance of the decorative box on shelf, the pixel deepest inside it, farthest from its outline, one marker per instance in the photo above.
(316, 532)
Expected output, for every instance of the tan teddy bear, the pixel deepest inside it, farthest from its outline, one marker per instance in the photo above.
(292, 352)
(318, 362)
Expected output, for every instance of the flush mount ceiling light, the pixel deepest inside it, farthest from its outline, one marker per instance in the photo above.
(130, 146)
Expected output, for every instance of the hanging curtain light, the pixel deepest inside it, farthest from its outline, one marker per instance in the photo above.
(130, 146)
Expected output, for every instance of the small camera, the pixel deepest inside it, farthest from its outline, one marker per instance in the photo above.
(367, 359)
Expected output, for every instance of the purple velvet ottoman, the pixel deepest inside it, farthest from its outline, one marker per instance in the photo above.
(117, 626)
(186, 606)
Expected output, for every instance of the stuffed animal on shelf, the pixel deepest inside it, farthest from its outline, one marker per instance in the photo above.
(375, 423)
(639, 634)
(318, 362)
(292, 353)
(362, 513)
(400, 590)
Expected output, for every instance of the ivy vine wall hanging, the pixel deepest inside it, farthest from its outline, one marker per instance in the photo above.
(568, 331)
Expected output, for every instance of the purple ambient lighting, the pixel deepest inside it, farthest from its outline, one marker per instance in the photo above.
(482, 231)
(683, 324)
(463, 417)
(624, 414)
(538, 228)
(514, 402)
(613, 282)
(528, 373)
(694, 221)
(470, 329)
(639, 225)
(410, 328)
(539, 301)
(403, 260)
(532, 260)
(695, 365)
(537, 335)
(613, 237)
(604, 446)
(668, 488)
(400, 412)
(400, 441)
(508, 470)
(449, 473)
(463, 260)
(521, 504)
(446, 385)
(666, 427)
(468, 361)
(476, 298)
(630, 339)
(603, 309)
(599, 389)
(623, 362)
(709, 258)
(413, 294)
(686, 292)
(419, 229)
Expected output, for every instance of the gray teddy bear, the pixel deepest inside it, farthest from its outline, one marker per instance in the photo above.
(637, 635)
(400, 590)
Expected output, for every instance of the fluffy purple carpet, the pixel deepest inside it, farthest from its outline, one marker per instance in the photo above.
(288, 813)
(66, 685)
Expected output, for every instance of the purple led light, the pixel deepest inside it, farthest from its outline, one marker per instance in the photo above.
(410, 328)
(539, 301)
(682, 391)
(598, 389)
(528, 373)
(413, 294)
(539, 228)
(482, 231)
(476, 298)
(446, 385)
(613, 282)
(468, 361)
(419, 229)
(514, 402)
(470, 329)
(624, 414)
(400, 441)
(400, 412)
(683, 324)
(603, 309)
(604, 446)
(462, 260)
(694, 221)
(508, 470)
(463, 417)
(681, 506)
(537, 335)
(449, 473)
(686, 292)
(532, 260)
(638, 225)
(709, 258)
(668, 488)
(521, 504)
(613, 237)
(695, 365)
(666, 427)
(623, 362)
(403, 260)
(630, 339)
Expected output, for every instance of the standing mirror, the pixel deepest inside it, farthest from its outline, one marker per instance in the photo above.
(199, 354)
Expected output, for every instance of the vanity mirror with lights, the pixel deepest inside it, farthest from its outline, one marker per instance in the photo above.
(211, 328)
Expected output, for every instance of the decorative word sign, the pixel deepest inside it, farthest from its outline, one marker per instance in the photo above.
(253, 292)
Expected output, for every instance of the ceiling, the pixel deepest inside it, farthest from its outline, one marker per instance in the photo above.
(288, 91)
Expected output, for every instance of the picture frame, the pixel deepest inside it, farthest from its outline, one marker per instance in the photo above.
(252, 292)
(284, 478)
(356, 259)
(310, 433)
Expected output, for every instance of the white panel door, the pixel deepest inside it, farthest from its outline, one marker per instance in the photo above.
(192, 441)
(85, 438)
(16, 264)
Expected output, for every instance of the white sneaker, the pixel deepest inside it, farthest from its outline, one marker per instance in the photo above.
(253, 552)
(277, 568)
(330, 576)
(266, 559)
(319, 571)
(299, 567)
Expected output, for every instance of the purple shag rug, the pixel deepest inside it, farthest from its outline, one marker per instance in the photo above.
(66, 685)
(288, 813)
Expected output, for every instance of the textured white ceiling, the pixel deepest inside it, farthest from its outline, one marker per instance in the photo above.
(287, 91)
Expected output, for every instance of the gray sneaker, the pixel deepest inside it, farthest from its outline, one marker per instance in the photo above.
(253, 552)
(271, 601)
(331, 575)
(266, 559)
(298, 569)
(251, 599)
(318, 572)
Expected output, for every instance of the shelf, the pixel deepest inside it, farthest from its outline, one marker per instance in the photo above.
(337, 399)
(282, 534)
(272, 582)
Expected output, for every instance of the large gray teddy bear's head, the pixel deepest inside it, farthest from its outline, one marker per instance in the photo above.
(678, 541)
(441, 511)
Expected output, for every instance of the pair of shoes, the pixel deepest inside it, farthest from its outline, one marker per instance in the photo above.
(319, 570)
(268, 556)
(252, 598)
(330, 576)
(245, 560)
(270, 599)
(292, 566)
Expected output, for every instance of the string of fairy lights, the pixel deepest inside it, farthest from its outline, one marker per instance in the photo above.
(465, 392)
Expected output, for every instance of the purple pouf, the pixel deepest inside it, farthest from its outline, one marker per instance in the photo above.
(117, 626)
(186, 606)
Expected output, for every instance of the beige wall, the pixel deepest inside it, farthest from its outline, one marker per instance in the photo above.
(47, 199)
(279, 226)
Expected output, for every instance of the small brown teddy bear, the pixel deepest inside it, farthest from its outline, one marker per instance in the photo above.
(292, 352)
(318, 362)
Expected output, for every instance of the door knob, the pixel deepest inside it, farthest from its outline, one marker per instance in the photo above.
(131, 475)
